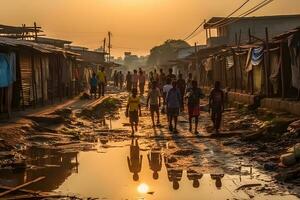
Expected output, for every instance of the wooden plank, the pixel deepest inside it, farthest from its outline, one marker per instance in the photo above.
(21, 186)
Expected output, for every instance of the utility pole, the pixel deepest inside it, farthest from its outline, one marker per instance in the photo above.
(109, 44)
(104, 43)
(35, 31)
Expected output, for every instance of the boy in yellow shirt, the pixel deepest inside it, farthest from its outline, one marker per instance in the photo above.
(133, 110)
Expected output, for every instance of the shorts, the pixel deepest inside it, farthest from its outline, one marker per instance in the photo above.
(134, 117)
(154, 108)
(194, 111)
(173, 112)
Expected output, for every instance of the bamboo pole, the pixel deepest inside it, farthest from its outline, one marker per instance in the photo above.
(21, 186)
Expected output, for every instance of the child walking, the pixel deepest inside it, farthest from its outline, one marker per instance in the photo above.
(216, 105)
(94, 83)
(133, 110)
(173, 106)
(154, 100)
(194, 95)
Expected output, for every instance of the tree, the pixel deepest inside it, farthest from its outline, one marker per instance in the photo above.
(161, 54)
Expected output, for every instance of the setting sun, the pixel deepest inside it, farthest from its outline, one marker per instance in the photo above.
(143, 188)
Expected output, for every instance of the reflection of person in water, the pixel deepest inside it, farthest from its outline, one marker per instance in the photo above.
(135, 160)
(174, 175)
(217, 178)
(155, 162)
(194, 176)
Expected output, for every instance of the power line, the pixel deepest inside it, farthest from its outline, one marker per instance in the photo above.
(224, 19)
(186, 38)
(246, 13)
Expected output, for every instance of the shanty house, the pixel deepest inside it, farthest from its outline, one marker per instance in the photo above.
(230, 31)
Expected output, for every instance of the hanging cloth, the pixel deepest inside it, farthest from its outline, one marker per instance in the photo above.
(294, 46)
(5, 71)
(12, 64)
(229, 62)
(257, 56)
(208, 64)
(275, 69)
(249, 67)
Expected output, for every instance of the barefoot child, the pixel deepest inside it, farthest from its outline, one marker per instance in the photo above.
(94, 83)
(194, 95)
(173, 106)
(133, 110)
(216, 105)
(154, 100)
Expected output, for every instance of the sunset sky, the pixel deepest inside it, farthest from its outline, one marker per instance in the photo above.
(136, 25)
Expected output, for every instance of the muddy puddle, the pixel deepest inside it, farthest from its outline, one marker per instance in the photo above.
(130, 170)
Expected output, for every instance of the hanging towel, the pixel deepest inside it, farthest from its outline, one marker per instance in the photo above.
(5, 71)
(257, 55)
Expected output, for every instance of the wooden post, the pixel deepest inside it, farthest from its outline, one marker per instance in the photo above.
(206, 33)
(196, 59)
(33, 80)
(42, 80)
(234, 67)
(35, 31)
(240, 65)
(282, 72)
(267, 67)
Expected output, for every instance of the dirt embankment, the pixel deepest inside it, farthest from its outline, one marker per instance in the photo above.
(267, 136)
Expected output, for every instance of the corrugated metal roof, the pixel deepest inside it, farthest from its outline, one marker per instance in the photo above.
(43, 48)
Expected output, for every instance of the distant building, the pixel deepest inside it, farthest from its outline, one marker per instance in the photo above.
(53, 41)
(86, 55)
(228, 32)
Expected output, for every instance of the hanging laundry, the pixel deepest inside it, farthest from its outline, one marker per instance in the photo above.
(229, 62)
(12, 64)
(257, 56)
(249, 67)
(294, 46)
(208, 64)
(5, 71)
(275, 69)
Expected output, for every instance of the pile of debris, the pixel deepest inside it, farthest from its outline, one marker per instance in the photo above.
(109, 108)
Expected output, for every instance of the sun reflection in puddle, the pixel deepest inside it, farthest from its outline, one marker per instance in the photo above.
(143, 188)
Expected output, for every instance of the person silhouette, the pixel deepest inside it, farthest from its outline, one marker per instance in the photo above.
(218, 179)
(194, 176)
(155, 162)
(135, 159)
(174, 175)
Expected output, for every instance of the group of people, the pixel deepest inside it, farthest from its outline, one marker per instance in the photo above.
(118, 78)
(98, 80)
(175, 92)
(155, 160)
